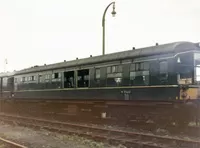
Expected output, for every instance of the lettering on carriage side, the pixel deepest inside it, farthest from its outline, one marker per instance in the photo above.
(126, 94)
(126, 91)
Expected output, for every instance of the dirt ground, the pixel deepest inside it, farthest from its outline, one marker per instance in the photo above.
(45, 139)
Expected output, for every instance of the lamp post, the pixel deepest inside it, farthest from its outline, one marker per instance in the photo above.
(103, 24)
(5, 64)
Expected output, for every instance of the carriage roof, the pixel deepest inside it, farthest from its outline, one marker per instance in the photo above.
(135, 53)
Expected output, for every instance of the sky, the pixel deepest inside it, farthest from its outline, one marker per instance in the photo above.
(38, 32)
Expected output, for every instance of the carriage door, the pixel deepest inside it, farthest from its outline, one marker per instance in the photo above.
(69, 79)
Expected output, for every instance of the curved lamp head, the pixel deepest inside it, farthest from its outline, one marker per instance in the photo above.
(113, 12)
(178, 60)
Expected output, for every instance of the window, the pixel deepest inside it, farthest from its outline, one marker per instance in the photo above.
(23, 79)
(59, 75)
(139, 66)
(132, 67)
(33, 78)
(97, 73)
(114, 69)
(56, 75)
(132, 75)
(5, 81)
(30, 78)
(40, 78)
(47, 76)
(114, 77)
(185, 68)
(163, 67)
(139, 77)
(139, 73)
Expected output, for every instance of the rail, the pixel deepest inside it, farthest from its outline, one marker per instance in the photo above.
(9, 143)
(129, 139)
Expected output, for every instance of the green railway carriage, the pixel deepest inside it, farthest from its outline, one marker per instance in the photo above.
(167, 73)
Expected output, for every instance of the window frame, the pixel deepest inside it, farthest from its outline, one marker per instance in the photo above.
(139, 69)
(56, 75)
(47, 76)
(114, 69)
(99, 73)
(139, 66)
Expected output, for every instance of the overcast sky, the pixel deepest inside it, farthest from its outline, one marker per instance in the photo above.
(34, 32)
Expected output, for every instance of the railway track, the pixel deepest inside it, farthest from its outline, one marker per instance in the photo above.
(129, 139)
(4, 143)
(192, 131)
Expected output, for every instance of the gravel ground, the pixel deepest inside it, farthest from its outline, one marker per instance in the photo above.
(45, 139)
(2, 145)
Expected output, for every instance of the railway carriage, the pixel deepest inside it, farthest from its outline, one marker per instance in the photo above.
(159, 81)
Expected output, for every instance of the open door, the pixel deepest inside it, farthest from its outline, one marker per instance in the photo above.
(83, 78)
(69, 79)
